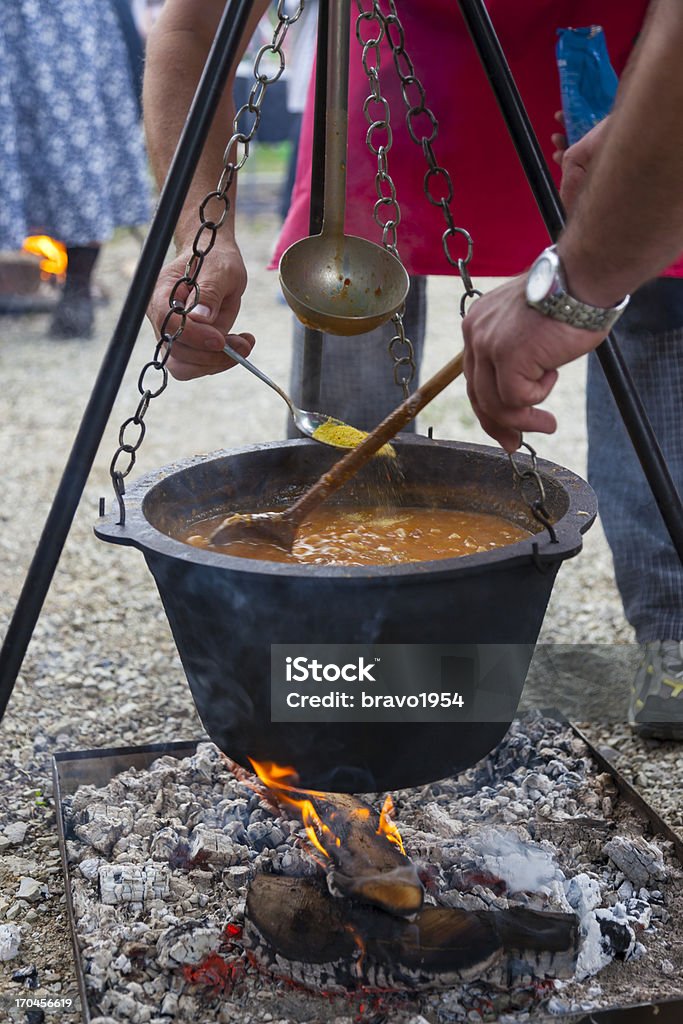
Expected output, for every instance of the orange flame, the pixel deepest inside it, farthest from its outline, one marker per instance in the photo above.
(386, 826)
(54, 259)
(360, 946)
(282, 781)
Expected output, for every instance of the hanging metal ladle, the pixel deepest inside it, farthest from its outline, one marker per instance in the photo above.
(338, 283)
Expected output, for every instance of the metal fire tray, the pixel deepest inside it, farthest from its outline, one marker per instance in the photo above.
(72, 769)
(98, 767)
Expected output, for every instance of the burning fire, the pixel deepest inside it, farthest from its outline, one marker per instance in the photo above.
(282, 782)
(387, 827)
(54, 261)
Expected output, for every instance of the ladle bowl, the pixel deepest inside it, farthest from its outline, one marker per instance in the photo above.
(230, 616)
(342, 285)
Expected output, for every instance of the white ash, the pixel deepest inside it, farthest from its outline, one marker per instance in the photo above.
(187, 943)
(483, 840)
(640, 861)
(131, 883)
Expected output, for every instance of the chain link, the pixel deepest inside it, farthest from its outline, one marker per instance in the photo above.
(536, 504)
(379, 139)
(423, 129)
(213, 211)
(438, 187)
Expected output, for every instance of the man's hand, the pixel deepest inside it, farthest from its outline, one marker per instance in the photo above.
(222, 280)
(575, 160)
(512, 353)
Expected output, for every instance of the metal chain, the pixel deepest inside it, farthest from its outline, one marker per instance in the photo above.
(423, 129)
(438, 188)
(537, 504)
(213, 211)
(386, 211)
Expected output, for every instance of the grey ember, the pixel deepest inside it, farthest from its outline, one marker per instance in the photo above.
(537, 890)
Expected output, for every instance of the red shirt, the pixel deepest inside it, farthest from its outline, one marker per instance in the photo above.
(492, 199)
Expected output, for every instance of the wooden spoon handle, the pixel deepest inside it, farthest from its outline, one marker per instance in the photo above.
(340, 472)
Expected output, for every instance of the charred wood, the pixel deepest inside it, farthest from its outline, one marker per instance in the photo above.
(295, 929)
(132, 883)
(363, 863)
(544, 944)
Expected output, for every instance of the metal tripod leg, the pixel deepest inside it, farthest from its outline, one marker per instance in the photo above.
(209, 91)
(615, 369)
(313, 340)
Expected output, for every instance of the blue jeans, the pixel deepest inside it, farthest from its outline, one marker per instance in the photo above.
(648, 571)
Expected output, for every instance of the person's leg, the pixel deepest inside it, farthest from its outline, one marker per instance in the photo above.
(74, 315)
(357, 378)
(288, 186)
(648, 571)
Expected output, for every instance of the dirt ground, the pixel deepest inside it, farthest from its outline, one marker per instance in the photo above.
(102, 670)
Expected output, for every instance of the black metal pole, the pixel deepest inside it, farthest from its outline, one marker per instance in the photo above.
(209, 91)
(616, 371)
(311, 367)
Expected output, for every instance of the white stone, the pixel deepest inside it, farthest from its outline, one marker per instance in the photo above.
(31, 890)
(10, 940)
(16, 832)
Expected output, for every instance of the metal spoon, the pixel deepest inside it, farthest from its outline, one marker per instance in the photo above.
(307, 422)
(280, 528)
(334, 282)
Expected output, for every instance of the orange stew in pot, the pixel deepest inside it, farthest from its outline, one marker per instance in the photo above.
(343, 535)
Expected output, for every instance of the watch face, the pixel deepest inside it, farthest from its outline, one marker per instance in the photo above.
(540, 279)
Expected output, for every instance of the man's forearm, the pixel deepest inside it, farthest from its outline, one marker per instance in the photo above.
(628, 221)
(176, 54)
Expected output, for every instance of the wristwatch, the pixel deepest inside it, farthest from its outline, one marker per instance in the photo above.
(547, 292)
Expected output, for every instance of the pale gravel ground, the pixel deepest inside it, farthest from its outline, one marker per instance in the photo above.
(101, 669)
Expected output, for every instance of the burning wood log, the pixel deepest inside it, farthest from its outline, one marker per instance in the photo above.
(368, 860)
(295, 929)
(546, 944)
(363, 851)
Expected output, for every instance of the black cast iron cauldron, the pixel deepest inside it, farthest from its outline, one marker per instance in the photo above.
(226, 612)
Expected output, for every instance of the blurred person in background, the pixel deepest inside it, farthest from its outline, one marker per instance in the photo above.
(300, 59)
(72, 157)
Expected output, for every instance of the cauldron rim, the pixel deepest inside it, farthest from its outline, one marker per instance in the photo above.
(139, 532)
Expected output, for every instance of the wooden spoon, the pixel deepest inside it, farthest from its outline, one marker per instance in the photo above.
(280, 528)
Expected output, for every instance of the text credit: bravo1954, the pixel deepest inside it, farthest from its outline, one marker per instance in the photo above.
(360, 696)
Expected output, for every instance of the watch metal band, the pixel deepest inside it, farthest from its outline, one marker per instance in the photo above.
(579, 314)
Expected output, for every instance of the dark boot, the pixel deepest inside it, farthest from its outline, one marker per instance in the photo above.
(74, 316)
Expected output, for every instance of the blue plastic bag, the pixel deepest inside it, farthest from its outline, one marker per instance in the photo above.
(588, 82)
